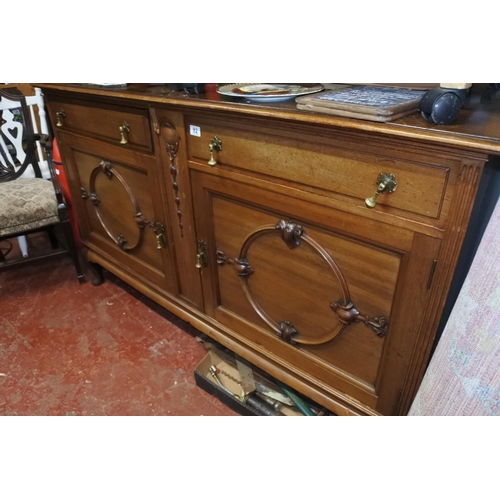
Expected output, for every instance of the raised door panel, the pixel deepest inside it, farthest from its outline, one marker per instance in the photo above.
(120, 209)
(297, 285)
(321, 300)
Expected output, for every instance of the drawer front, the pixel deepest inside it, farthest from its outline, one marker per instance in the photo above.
(124, 126)
(421, 188)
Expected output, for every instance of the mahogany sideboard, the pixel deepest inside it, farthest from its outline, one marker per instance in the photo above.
(251, 222)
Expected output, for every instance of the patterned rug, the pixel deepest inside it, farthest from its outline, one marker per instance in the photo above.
(463, 377)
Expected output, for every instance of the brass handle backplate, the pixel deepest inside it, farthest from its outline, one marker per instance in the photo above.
(215, 144)
(201, 256)
(124, 130)
(60, 114)
(386, 183)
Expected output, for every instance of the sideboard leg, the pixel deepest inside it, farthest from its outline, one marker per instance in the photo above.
(96, 273)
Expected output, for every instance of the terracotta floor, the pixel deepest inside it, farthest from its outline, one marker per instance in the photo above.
(71, 349)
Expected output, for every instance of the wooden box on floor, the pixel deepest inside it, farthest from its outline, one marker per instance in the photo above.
(229, 376)
(208, 384)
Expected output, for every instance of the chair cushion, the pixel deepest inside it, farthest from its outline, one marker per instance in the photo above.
(26, 204)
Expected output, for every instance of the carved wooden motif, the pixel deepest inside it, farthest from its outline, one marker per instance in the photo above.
(241, 266)
(171, 143)
(293, 235)
(348, 314)
(287, 332)
(290, 233)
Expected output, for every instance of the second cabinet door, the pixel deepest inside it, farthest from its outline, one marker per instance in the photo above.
(318, 289)
(120, 208)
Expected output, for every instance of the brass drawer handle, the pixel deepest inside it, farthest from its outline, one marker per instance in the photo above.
(386, 183)
(124, 129)
(60, 114)
(215, 144)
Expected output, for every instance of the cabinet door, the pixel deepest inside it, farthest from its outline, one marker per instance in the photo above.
(171, 150)
(119, 206)
(333, 297)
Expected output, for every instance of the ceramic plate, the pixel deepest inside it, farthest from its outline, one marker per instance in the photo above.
(268, 92)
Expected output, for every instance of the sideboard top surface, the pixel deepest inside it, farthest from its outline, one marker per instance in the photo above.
(477, 127)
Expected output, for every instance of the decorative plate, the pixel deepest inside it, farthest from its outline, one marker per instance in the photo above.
(269, 92)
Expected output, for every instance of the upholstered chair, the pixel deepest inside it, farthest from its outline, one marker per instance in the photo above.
(30, 196)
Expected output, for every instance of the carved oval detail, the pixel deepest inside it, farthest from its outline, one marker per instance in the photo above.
(293, 235)
(106, 168)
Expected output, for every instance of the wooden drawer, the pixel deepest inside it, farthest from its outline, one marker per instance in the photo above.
(103, 121)
(347, 169)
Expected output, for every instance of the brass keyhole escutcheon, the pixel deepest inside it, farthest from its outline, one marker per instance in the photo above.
(215, 145)
(60, 114)
(386, 183)
(124, 130)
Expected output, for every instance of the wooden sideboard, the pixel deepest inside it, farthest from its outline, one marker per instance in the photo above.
(249, 221)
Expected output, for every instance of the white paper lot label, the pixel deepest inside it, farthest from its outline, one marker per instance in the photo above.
(195, 130)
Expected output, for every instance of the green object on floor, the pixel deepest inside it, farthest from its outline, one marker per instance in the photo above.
(298, 401)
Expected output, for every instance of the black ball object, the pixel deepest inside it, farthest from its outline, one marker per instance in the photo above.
(442, 105)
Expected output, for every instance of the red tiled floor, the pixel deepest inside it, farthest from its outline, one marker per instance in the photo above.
(71, 349)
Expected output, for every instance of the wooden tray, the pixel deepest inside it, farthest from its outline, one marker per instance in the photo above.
(360, 116)
(364, 100)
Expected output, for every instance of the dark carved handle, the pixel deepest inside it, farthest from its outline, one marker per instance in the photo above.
(242, 267)
(348, 315)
